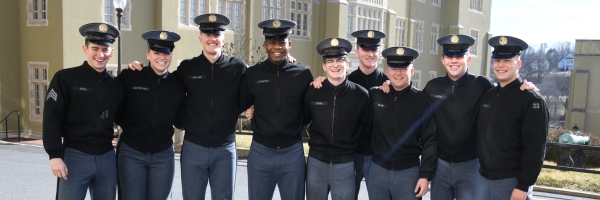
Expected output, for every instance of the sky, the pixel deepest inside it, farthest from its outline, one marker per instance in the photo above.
(546, 21)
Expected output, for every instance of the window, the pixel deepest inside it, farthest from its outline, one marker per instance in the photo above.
(401, 32)
(37, 13)
(416, 79)
(301, 14)
(368, 18)
(568, 64)
(112, 69)
(418, 26)
(476, 5)
(422, 1)
(473, 49)
(110, 15)
(272, 9)
(38, 86)
(437, 3)
(435, 34)
(233, 9)
(432, 74)
(189, 9)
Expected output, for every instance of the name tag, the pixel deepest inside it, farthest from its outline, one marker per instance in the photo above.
(263, 81)
(140, 88)
(381, 105)
(485, 105)
(197, 77)
(438, 96)
(77, 88)
(318, 103)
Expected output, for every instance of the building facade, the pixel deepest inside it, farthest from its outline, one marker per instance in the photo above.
(40, 37)
(584, 105)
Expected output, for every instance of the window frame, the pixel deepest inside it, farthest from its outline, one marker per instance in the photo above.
(474, 49)
(416, 79)
(437, 3)
(476, 5)
(305, 23)
(31, 13)
(228, 8)
(270, 11)
(191, 13)
(418, 29)
(435, 34)
(126, 19)
(36, 103)
(401, 31)
(432, 75)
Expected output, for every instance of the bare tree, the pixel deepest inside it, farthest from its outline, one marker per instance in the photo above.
(555, 89)
(245, 48)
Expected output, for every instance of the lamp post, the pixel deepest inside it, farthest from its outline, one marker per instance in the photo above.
(119, 6)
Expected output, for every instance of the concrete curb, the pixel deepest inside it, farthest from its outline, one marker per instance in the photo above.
(569, 192)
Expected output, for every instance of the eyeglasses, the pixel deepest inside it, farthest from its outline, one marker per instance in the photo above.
(338, 61)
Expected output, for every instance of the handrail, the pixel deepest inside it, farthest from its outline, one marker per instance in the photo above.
(576, 146)
(5, 119)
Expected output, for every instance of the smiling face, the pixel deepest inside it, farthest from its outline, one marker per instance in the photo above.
(400, 77)
(367, 58)
(97, 55)
(456, 66)
(335, 68)
(212, 44)
(159, 61)
(277, 50)
(507, 69)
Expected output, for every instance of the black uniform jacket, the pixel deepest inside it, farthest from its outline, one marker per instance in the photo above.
(212, 99)
(512, 128)
(152, 105)
(277, 93)
(337, 112)
(81, 105)
(366, 81)
(403, 130)
(456, 106)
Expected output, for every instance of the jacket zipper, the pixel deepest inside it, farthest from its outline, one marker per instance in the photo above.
(101, 111)
(332, 122)
(155, 112)
(278, 105)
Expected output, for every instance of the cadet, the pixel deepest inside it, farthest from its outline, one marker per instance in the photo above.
(511, 128)
(368, 51)
(403, 131)
(154, 101)
(276, 88)
(456, 98)
(337, 110)
(81, 105)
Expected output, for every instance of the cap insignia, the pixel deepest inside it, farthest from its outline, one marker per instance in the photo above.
(371, 34)
(163, 36)
(454, 39)
(334, 42)
(503, 40)
(212, 18)
(276, 23)
(400, 51)
(103, 28)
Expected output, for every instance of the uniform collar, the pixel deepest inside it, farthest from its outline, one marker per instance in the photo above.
(375, 73)
(90, 70)
(461, 81)
(402, 92)
(511, 86)
(219, 60)
(339, 88)
(149, 72)
(272, 66)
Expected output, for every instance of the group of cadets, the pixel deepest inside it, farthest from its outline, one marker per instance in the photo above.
(467, 136)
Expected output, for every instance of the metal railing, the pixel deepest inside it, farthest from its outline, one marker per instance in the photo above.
(5, 120)
(572, 146)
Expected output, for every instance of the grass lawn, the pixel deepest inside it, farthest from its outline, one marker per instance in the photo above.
(569, 180)
(244, 141)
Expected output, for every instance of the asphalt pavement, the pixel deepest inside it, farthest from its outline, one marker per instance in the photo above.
(25, 174)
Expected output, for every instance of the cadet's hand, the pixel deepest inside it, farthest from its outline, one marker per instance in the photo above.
(422, 186)
(135, 65)
(59, 169)
(528, 86)
(518, 195)
(317, 82)
(290, 58)
(385, 87)
(250, 112)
